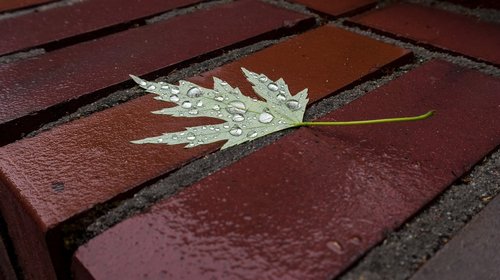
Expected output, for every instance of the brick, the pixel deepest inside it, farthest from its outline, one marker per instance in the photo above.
(7, 5)
(41, 88)
(94, 161)
(337, 8)
(6, 269)
(308, 205)
(79, 19)
(438, 28)
(472, 253)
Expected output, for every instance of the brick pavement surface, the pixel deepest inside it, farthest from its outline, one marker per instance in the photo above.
(307, 206)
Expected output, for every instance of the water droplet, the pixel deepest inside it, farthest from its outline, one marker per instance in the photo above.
(165, 87)
(191, 137)
(356, 240)
(151, 87)
(235, 131)
(224, 83)
(236, 107)
(142, 83)
(204, 127)
(175, 137)
(217, 129)
(199, 104)
(293, 105)
(175, 90)
(265, 117)
(263, 79)
(219, 98)
(194, 92)
(238, 118)
(272, 87)
(193, 112)
(335, 247)
(174, 98)
(252, 134)
(225, 126)
(186, 105)
(280, 97)
(216, 107)
(159, 140)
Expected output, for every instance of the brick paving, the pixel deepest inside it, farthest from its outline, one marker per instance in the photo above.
(307, 206)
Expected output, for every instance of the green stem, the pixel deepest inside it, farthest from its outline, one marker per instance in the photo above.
(390, 120)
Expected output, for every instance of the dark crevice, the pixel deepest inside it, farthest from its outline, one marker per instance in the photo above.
(9, 246)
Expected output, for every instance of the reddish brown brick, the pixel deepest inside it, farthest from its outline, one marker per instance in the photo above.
(339, 7)
(307, 206)
(6, 5)
(456, 33)
(32, 88)
(6, 269)
(94, 161)
(472, 254)
(78, 19)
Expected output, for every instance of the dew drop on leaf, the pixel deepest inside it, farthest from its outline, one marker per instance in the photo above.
(175, 90)
(194, 92)
(280, 97)
(186, 105)
(235, 131)
(238, 118)
(293, 105)
(193, 112)
(252, 134)
(272, 87)
(265, 117)
(174, 98)
(191, 137)
(263, 79)
(236, 107)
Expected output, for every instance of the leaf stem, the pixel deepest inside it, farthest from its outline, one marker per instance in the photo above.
(389, 120)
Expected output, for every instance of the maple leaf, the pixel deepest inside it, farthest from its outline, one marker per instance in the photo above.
(245, 118)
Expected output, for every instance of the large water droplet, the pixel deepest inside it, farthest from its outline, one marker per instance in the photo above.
(236, 107)
(174, 98)
(252, 134)
(265, 117)
(193, 112)
(151, 87)
(142, 83)
(186, 105)
(293, 105)
(194, 92)
(175, 90)
(280, 97)
(272, 87)
(263, 79)
(235, 131)
(238, 118)
(191, 137)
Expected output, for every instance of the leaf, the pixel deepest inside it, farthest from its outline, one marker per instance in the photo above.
(245, 118)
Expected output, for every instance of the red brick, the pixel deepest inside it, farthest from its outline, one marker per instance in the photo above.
(338, 7)
(6, 5)
(307, 206)
(472, 253)
(37, 29)
(32, 88)
(456, 33)
(6, 269)
(94, 160)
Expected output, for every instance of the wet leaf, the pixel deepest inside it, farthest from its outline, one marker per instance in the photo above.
(245, 118)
